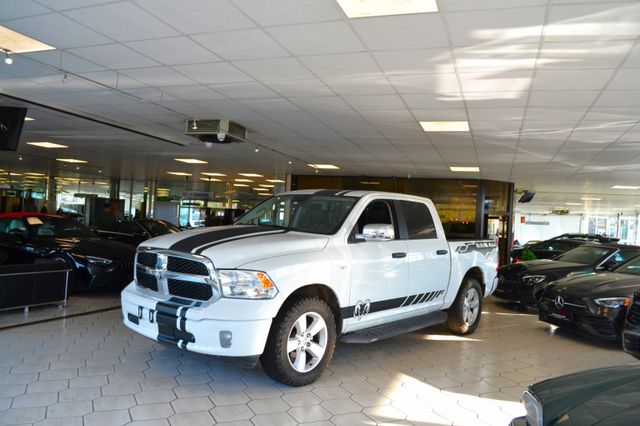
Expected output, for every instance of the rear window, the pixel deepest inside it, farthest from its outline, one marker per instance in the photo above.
(586, 255)
(419, 221)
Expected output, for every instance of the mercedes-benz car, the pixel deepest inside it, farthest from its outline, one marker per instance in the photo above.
(136, 231)
(594, 304)
(602, 396)
(631, 333)
(95, 262)
(523, 282)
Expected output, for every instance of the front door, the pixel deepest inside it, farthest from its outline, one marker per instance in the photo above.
(379, 271)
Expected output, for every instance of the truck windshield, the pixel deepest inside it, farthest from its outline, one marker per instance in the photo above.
(317, 214)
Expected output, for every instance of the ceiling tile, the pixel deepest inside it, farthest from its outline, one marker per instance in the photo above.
(593, 22)
(317, 103)
(415, 61)
(284, 12)
(571, 79)
(513, 81)
(416, 31)
(622, 98)
(214, 73)
(613, 114)
(495, 99)
(174, 51)
(64, 60)
(317, 38)
(496, 58)
(12, 9)
(633, 61)
(396, 115)
(198, 16)
(122, 21)
(244, 44)
(274, 69)
(589, 55)
(569, 114)
(341, 65)
(158, 76)
(491, 113)
(626, 79)
(425, 83)
(462, 5)
(375, 102)
(360, 85)
(114, 56)
(439, 114)
(57, 31)
(302, 88)
(245, 90)
(561, 98)
(72, 4)
(510, 26)
(434, 100)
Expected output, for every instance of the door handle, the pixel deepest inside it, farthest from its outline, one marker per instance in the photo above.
(442, 252)
(399, 255)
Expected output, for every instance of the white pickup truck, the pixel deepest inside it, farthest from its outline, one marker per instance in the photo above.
(304, 269)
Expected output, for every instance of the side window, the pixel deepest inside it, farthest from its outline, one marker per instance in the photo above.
(16, 226)
(4, 225)
(625, 255)
(419, 221)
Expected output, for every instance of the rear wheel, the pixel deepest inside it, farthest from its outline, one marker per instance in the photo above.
(301, 343)
(464, 314)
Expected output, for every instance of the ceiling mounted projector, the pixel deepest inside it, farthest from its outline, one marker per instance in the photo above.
(216, 131)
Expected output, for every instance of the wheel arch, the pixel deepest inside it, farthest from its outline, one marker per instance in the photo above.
(321, 291)
(476, 273)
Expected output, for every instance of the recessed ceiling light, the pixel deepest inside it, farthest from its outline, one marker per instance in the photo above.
(275, 180)
(71, 160)
(191, 161)
(250, 175)
(211, 179)
(14, 174)
(34, 174)
(624, 187)
(241, 185)
(369, 182)
(324, 166)
(243, 180)
(261, 189)
(266, 185)
(29, 119)
(464, 169)
(15, 42)
(263, 193)
(445, 126)
(573, 204)
(591, 199)
(47, 145)
(365, 8)
(179, 173)
(164, 189)
(212, 174)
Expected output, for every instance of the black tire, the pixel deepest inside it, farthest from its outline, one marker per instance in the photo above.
(278, 362)
(464, 316)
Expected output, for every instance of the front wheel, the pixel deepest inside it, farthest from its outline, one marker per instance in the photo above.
(464, 314)
(301, 343)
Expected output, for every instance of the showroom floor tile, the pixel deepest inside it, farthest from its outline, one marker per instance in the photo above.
(91, 370)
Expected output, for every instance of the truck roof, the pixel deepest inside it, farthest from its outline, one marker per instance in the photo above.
(350, 193)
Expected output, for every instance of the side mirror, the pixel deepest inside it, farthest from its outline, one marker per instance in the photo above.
(376, 232)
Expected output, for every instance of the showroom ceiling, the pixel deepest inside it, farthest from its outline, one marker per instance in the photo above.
(550, 89)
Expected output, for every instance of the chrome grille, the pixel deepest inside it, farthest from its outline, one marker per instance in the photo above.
(176, 274)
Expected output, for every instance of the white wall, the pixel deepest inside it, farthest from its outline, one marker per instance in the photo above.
(524, 232)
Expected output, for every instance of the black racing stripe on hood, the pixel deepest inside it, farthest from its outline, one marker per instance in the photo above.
(240, 237)
(190, 243)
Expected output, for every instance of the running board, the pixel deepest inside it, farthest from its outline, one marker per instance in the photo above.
(385, 331)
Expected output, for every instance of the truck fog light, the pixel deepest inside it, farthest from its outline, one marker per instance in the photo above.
(225, 338)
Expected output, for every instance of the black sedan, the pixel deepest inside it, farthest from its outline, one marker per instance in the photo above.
(523, 282)
(602, 396)
(594, 304)
(631, 334)
(95, 262)
(136, 231)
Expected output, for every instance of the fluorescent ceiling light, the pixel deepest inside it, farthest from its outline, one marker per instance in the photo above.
(369, 182)
(250, 175)
(15, 42)
(365, 8)
(71, 160)
(191, 161)
(47, 145)
(324, 166)
(241, 185)
(275, 180)
(266, 185)
(624, 187)
(243, 180)
(590, 199)
(14, 174)
(211, 179)
(445, 126)
(164, 189)
(572, 204)
(34, 174)
(29, 119)
(212, 174)
(263, 193)
(179, 173)
(464, 169)
(261, 189)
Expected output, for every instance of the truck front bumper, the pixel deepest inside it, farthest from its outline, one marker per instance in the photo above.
(192, 326)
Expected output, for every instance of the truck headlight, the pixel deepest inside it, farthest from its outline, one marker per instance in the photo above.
(100, 261)
(534, 409)
(613, 302)
(533, 279)
(242, 284)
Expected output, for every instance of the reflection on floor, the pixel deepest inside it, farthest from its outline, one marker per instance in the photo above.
(76, 304)
(92, 370)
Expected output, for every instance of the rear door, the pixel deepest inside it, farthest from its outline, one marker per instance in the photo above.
(429, 260)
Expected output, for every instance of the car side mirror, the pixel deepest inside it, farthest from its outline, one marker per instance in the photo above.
(376, 232)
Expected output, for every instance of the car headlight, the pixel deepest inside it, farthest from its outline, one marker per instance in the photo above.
(613, 302)
(533, 279)
(534, 409)
(242, 284)
(100, 261)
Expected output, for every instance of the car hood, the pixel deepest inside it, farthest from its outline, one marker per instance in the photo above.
(601, 284)
(592, 396)
(542, 267)
(92, 246)
(236, 245)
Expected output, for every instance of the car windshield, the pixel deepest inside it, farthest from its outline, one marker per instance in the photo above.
(54, 226)
(586, 255)
(630, 267)
(155, 228)
(317, 214)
